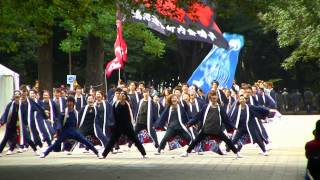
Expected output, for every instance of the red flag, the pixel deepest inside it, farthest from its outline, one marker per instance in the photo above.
(113, 65)
(120, 51)
(120, 46)
(197, 12)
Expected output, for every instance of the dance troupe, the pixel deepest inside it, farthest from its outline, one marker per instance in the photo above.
(130, 115)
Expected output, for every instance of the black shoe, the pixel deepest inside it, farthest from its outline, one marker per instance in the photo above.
(239, 147)
(158, 152)
(220, 152)
(227, 148)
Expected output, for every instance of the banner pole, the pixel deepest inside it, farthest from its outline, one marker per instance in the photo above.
(106, 83)
(119, 74)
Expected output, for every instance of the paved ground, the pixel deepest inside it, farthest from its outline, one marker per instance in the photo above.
(286, 161)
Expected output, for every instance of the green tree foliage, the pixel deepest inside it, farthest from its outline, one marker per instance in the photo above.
(39, 32)
(28, 23)
(297, 24)
(31, 23)
(98, 17)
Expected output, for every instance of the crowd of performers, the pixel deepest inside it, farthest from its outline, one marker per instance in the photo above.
(129, 114)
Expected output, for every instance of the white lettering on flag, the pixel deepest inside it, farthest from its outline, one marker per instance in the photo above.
(211, 36)
(156, 21)
(202, 33)
(170, 28)
(136, 15)
(191, 32)
(181, 30)
(147, 17)
(114, 65)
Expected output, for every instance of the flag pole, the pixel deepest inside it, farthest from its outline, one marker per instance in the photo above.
(119, 74)
(106, 82)
(118, 17)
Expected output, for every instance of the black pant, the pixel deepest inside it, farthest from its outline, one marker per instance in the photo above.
(221, 135)
(242, 132)
(70, 134)
(152, 132)
(129, 132)
(86, 134)
(11, 135)
(171, 132)
(37, 141)
(263, 132)
(12, 143)
(313, 166)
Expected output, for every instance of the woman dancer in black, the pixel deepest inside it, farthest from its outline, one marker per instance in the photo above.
(123, 118)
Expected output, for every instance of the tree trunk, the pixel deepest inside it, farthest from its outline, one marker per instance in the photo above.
(182, 50)
(191, 55)
(194, 60)
(45, 59)
(95, 62)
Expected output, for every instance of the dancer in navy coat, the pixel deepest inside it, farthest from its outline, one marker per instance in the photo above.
(147, 114)
(80, 99)
(68, 127)
(29, 111)
(174, 117)
(53, 115)
(244, 118)
(17, 131)
(89, 123)
(104, 118)
(213, 119)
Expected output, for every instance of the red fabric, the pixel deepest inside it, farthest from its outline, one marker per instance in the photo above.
(184, 142)
(120, 45)
(213, 137)
(176, 142)
(113, 65)
(168, 8)
(202, 13)
(230, 131)
(216, 27)
(160, 129)
(18, 132)
(120, 51)
(312, 147)
(123, 140)
(146, 137)
(93, 139)
(197, 12)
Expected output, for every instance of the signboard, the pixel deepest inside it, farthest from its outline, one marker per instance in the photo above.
(71, 79)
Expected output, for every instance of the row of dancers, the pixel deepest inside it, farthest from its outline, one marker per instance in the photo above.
(234, 116)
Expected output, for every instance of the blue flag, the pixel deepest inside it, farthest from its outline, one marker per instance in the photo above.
(220, 64)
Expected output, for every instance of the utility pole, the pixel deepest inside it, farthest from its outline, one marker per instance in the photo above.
(70, 63)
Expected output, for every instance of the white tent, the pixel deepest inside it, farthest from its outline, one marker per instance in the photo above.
(9, 81)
